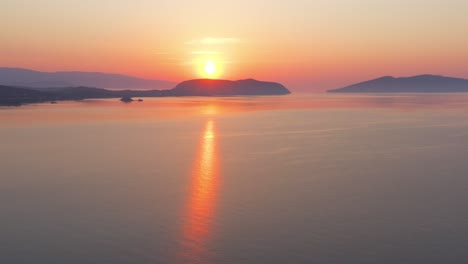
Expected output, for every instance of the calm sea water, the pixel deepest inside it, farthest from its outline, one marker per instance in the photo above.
(293, 179)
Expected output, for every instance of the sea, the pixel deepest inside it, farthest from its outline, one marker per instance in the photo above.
(303, 178)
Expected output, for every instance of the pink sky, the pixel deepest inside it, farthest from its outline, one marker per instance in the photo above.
(306, 45)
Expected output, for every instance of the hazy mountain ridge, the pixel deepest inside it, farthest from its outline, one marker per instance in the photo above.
(30, 78)
(415, 84)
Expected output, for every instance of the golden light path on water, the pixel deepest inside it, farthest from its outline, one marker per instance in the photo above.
(200, 206)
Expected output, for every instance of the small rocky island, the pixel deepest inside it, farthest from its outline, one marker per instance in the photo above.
(126, 99)
(15, 96)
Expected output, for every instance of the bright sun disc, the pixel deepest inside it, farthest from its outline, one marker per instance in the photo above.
(210, 67)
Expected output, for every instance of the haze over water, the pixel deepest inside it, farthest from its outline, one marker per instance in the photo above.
(295, 179)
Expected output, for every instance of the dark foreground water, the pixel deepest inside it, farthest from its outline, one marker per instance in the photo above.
(294, 179)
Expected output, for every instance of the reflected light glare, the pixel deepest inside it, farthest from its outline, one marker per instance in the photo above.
(210, 109)
(200, 207)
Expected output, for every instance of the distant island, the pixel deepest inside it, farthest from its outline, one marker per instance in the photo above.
(415, 84)
(15, 96)
(36, 79)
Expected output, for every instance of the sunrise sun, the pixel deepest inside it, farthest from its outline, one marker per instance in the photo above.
(210, 68)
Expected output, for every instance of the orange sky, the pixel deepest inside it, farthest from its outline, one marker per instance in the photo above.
(307, 45)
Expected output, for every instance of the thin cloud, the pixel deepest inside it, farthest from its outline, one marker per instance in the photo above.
(161, 53)
(229, 62)
(214, 41)
(204, 52)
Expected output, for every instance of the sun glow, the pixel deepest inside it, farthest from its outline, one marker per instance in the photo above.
(210, 68)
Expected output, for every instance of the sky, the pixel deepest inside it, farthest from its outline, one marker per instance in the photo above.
(306, 45)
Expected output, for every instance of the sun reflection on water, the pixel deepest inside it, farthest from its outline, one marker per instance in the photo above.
(200, 207)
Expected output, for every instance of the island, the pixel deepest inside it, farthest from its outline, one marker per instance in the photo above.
(126, 99)
(414, 84)
(213, 87)
(15, 96)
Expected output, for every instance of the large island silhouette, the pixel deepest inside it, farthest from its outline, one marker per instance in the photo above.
(14, 96)
(415, 84)
(214, 87)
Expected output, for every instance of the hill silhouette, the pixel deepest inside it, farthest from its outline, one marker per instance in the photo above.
(415, 84)
(211, 87)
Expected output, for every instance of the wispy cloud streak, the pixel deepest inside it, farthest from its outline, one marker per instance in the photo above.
(205, 52)
(213, 41)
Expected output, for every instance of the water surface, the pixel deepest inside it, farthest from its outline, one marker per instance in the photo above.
(293, 179)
